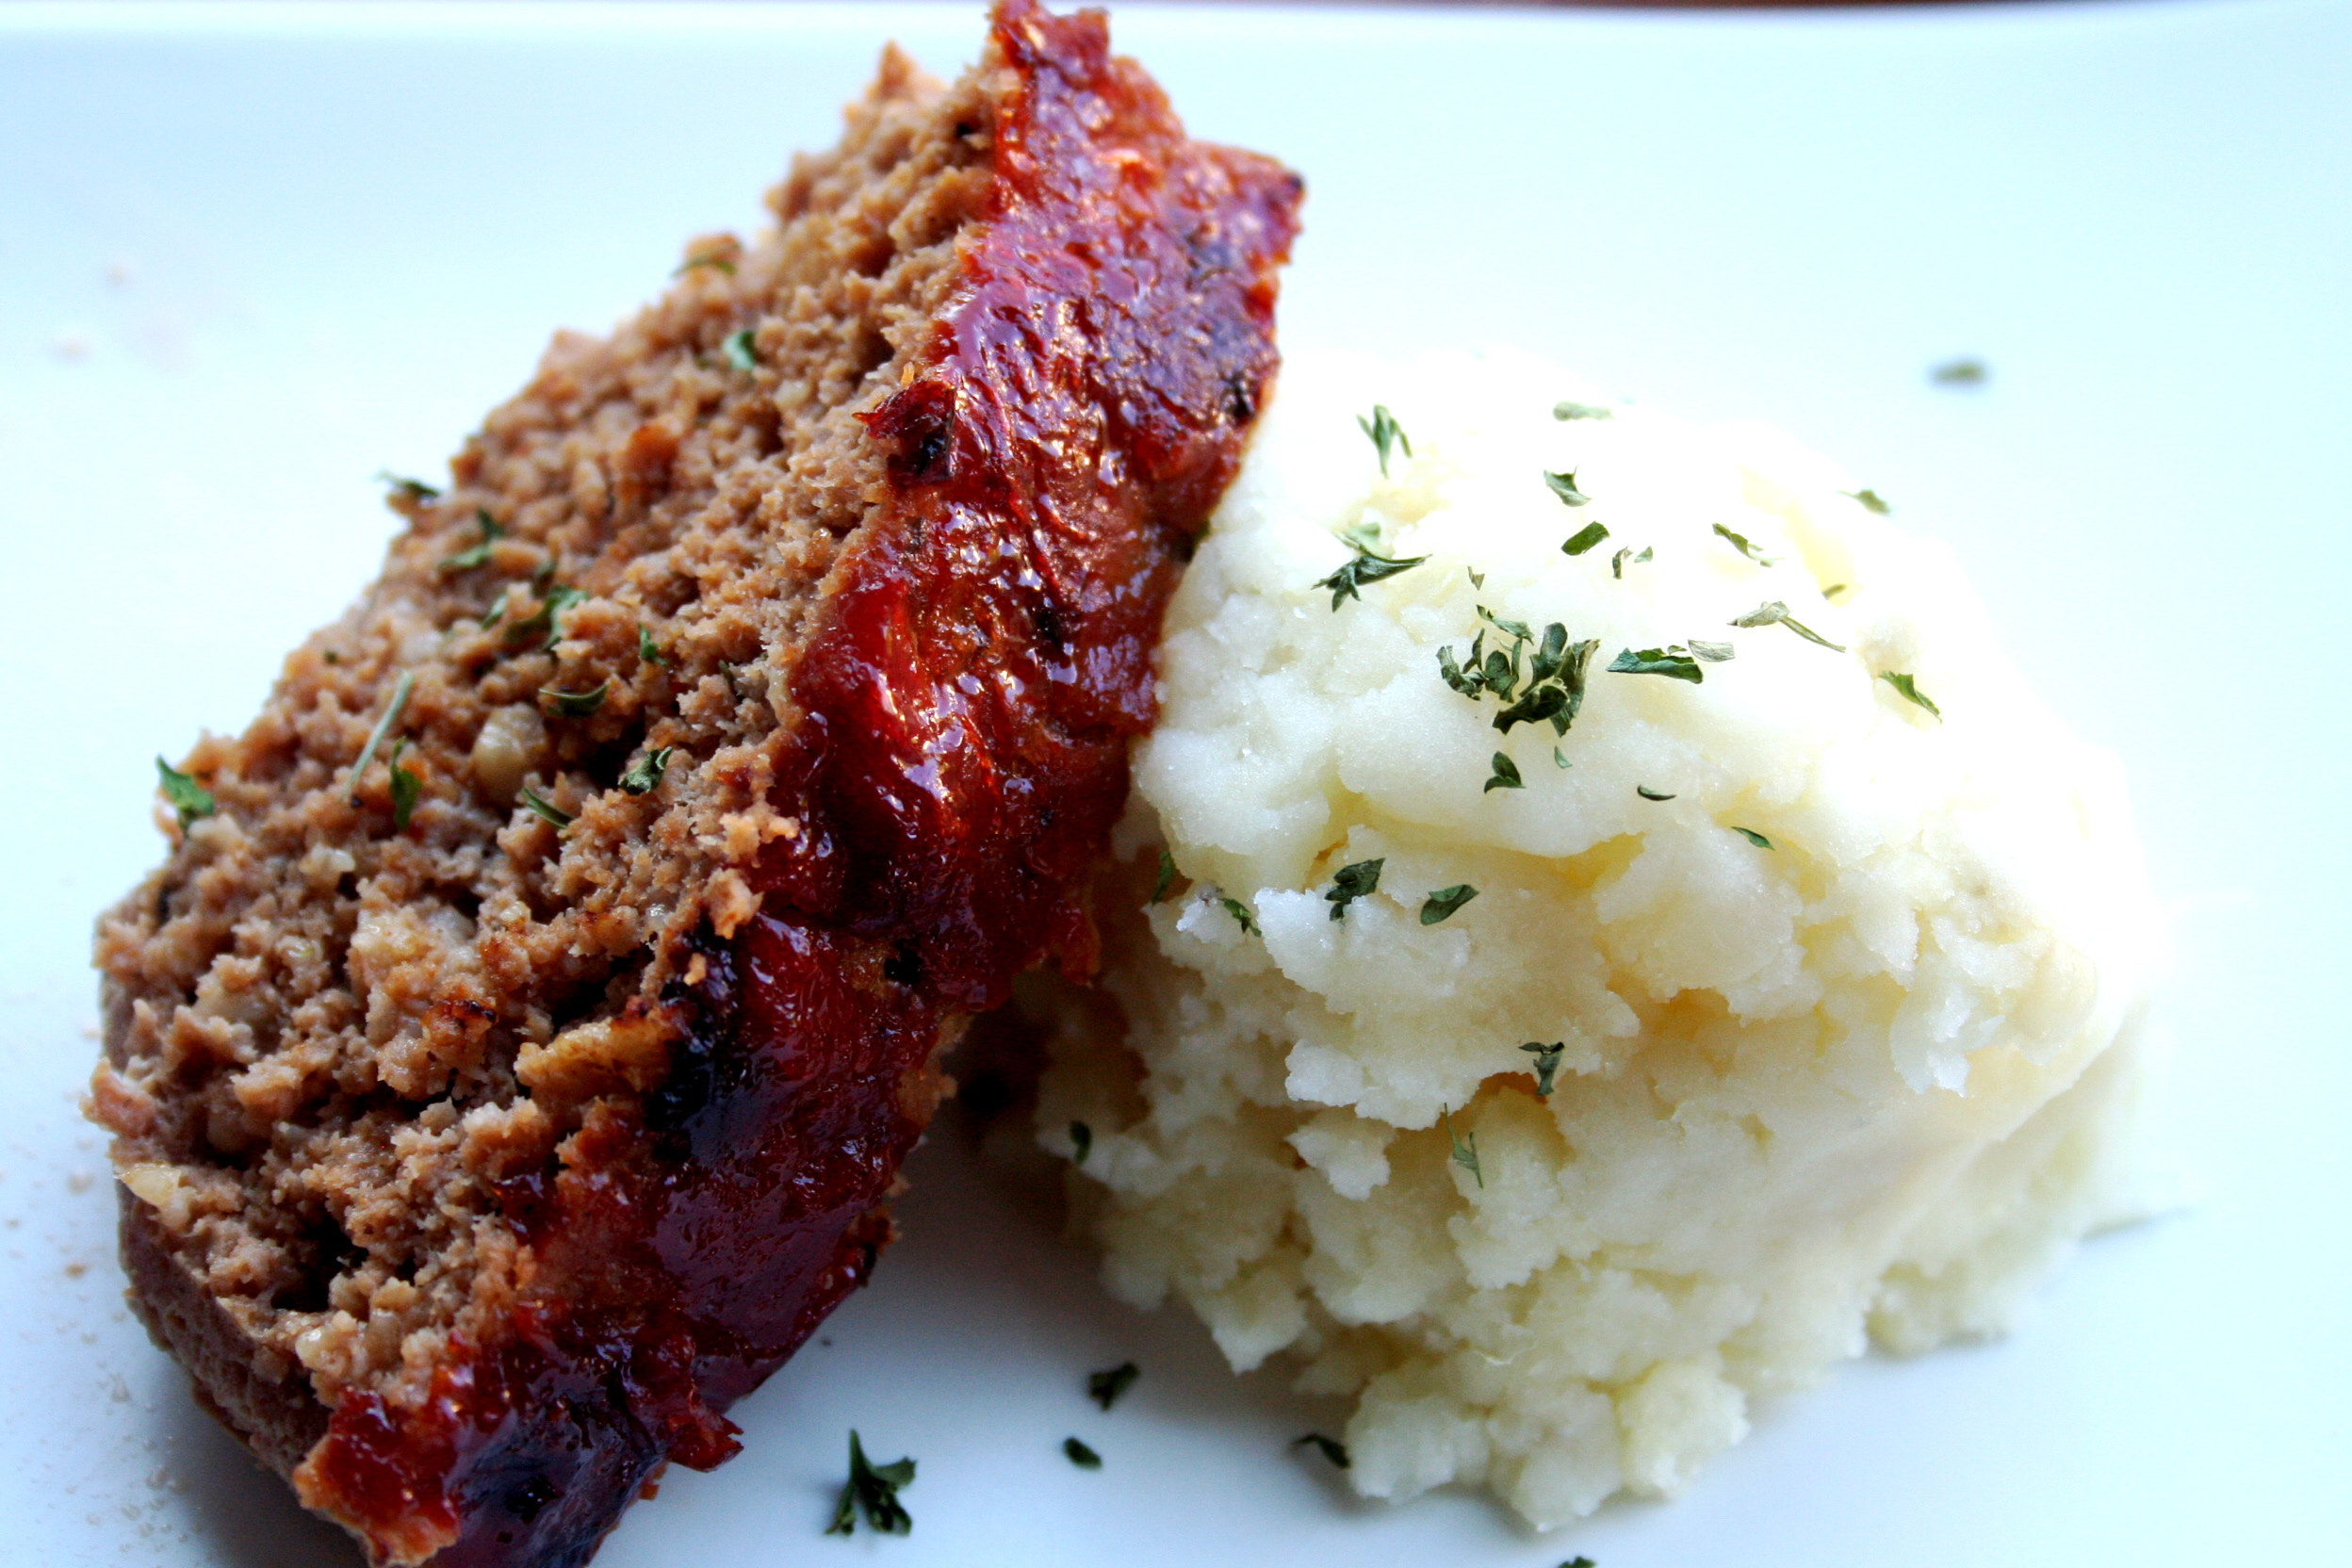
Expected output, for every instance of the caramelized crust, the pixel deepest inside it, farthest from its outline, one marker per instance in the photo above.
(473, 1165)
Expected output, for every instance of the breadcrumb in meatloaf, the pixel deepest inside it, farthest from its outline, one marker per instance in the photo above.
(506, 1074)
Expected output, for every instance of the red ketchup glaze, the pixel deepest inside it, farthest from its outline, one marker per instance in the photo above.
(968, 706)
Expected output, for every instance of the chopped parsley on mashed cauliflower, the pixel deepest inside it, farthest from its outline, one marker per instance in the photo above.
(1840, 990)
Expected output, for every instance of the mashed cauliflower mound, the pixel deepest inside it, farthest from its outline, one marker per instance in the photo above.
(1875, 1076)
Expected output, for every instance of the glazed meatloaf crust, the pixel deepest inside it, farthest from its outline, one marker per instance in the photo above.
(509, 1063)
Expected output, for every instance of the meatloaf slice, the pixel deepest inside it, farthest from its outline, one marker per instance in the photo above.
(510, 1062)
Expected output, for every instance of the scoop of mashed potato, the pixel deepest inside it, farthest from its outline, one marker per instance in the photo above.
(1604, 928)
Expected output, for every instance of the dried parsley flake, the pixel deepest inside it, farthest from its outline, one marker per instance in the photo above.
(1350, 883)
(415, 489)
(1739, 542)
(1617, 561)
(1384, 433)
(1670, 662)
(545, 810)
(1774, 612)
(645, 774)
(392, 712)
(407, 787)
(1585, 538)
(1442, 903)
(1104, 1387)
(1329, 1447)
(1564, 486)
(872, 1489)
(1366, 567)
(185, 796)
(1546, 1064)
(1910, 690)
(575, 704)
(478, 553)
(1465, 1149)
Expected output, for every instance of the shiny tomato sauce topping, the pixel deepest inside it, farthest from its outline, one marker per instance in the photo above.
(968, 704)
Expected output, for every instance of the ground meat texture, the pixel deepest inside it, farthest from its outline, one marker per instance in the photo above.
(763, 681)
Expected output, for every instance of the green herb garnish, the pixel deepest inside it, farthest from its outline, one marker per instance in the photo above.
(1506, 775)
(1477, 579)
(1329, 1447)
(1739, 542)
(575, 704)
(1240, 912)
(1350, 883)
(1909, 688)
(553, 815)
(646, 650)
(477, 554)
(1564, 486)
(645, 774)
(406, 787)
(743, 350)
(1617, 561)
(392, 709)
(415, 489)
(1384, 433)
(1673, 665)
(1365, 568)
(1444, 902)
(1081, 1142)
(1869, 500)
(1585, 538)
(497, 607)
(1465, 1149)
(1648, 793)
(557, 600)
(1959, 372)
(1469, 683)
(1104, 1387)
(1579, 1560)
(1759, 840)
(1165, 880)
(872, 1489)
(1714, 653)
(1834, 588)
(1546, 1064)
(1554, 670)
(185, 796)
(1080, 1455)
(1509, 629)
(1774, 612)
(1560, 758)
(721, 263)
(1581, 411)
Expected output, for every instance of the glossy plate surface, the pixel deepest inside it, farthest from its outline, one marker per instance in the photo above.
(249, 255)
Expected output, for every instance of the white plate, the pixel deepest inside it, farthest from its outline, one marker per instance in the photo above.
(342, 235)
